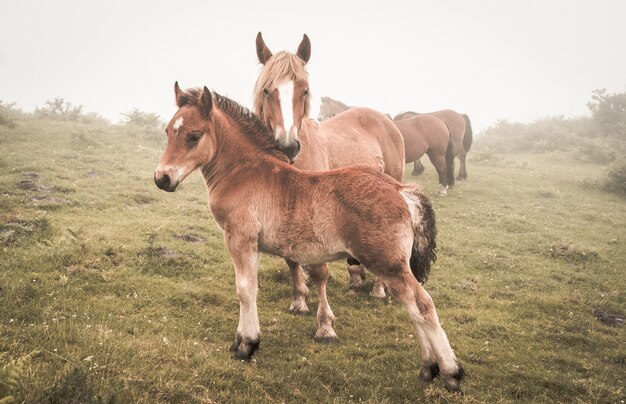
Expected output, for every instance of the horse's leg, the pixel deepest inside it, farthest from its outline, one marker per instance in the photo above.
(325, 317)
(245, 255)
(437, 354)
(357, 274)
(418, 168)
(378, 290)
(357, 277)
(462, 170)
(439, 161)
(299, 289)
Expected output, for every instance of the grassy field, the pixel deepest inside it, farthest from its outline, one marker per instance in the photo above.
(123, 293)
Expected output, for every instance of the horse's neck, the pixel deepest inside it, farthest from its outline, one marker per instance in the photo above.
(312, 154)
(232, 152)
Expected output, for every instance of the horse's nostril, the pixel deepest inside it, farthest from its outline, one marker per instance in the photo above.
(163, 182)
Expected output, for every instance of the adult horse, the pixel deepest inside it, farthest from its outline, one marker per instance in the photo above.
(425, 134)
(358, 136)
(461, 134)
(422, 134)
(264, 204)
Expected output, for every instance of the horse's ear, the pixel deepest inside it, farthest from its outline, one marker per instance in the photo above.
(304, 50)
(206, 102)
(262, 51)
(180, 96)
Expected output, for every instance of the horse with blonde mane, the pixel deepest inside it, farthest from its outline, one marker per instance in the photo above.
(265, 205)
(358, 136)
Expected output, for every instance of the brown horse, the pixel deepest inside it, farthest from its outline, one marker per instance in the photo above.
(264, 204)
(461, 134)
(428, 135)
(358, 136)
(422, 134)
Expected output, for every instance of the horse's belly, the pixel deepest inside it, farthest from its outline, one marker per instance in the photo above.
(307, 252)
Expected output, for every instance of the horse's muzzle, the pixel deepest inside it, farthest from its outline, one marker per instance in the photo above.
(292, 151)
(163, 182)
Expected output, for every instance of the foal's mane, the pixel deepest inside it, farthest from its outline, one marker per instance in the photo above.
(252, 128)
(280, 67)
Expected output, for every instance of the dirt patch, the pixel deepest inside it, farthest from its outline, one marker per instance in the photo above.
(143, 199)
(48, 201)
(610, 318)
(190, 238)
(570, 253)
(30, 182)
(162, 252)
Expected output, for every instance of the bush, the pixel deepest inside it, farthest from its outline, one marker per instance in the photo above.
(616, 179)
(144, 119)
(8, 114)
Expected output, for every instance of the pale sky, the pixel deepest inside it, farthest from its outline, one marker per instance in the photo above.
(494, 59)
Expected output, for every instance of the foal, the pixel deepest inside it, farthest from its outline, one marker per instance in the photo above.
(263, 204)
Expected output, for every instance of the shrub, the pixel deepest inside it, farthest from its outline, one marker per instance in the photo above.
(616, 179)
(139, 118)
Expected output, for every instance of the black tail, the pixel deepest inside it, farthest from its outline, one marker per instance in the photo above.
(423, 253)
(468, 137)
(450, 163)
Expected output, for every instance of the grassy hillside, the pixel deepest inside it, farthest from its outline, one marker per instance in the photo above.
(124, 293)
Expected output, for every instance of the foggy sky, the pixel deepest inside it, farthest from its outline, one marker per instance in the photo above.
(515, 60)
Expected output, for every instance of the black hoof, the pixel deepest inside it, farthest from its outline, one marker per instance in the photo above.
(428, 373)
(453, 381)
(243, 350)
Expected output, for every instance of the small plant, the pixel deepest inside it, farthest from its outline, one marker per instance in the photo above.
(11, 374)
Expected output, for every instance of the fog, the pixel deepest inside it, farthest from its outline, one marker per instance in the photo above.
(490, 59)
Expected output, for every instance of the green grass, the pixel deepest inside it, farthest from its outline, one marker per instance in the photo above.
(100, 277)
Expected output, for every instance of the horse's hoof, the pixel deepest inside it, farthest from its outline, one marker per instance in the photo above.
(327, 340)
(429, 372)
(299, 308)
(378, 293)
(245, 350)
(453, 382)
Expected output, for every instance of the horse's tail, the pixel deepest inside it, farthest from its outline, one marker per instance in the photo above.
(424, 230)
(468, 136)
(450, 161)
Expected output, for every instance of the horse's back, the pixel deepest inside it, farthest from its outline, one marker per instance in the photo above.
(423, 133)
(364, 136)
(456, 123)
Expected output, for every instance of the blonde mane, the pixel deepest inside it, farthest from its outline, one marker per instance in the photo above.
(279, 68)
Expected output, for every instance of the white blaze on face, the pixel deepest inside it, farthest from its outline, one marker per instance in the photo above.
(285, 92)
(177, 124)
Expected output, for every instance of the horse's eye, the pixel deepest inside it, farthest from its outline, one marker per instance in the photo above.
(266, 92)
(194, 137)
(306, 92)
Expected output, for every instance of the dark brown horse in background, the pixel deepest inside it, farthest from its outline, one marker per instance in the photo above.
(265, 205)
(359, 136)
(422, 134)
(428, 135)
(461, 135)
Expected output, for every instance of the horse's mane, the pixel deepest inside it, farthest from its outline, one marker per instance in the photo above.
(280, 67)
(252, 128)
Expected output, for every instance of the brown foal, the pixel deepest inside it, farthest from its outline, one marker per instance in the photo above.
(264, 204)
